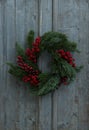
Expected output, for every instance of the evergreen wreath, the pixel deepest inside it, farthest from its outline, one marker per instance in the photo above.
(63, 67)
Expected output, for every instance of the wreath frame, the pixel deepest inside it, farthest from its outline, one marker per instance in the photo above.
(63, 67)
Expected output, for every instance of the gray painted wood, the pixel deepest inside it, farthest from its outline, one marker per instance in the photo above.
(71, 112)
(68, 107)
(83, 89)
(65, 111)
(2, 70)
(31, 22)
(45, 102)
(20, 37)
(26, 19)
(11, 104)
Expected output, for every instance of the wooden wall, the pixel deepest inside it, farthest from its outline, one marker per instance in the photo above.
(68, 107)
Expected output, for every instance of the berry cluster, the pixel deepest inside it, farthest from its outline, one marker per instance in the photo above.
(32, 74)
(33, 79)
(67, 56)
(64, 80)
(23, 65)
(31, 53)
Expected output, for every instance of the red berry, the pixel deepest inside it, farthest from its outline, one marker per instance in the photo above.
(38, 40)
(63, 56)
(67, 53)
(66, 57)
(19, 57)
(71, 59)
(20, 64)
(70, 55)
(33, 50)
(28, 51)
(37, 72)
(25, 79)
(70, 63)
(34, 60)
(61, 51)
(74, 65)
(30, 68)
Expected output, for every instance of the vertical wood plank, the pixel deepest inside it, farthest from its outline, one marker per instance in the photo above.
(83, 83)
(71, 18)
(20, 37)
(66, 19)
(55, 94)
(9, 100)
(32, 20)
(45, 103)
(9, 42)
(31, 102)
(2, 69)
(26, 19)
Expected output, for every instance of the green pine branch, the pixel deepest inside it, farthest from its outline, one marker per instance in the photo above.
(30, 38)
(50, 85)
(16, 71)
(56, 40)
(20, 51)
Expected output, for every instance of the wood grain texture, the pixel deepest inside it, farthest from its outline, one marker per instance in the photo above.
(11, 105)
(20, 38)
(70, 17)
(32, 107)
(68, 107)
(45, 102)
(26, 19)
(83, 84)
(2, 69)
(65, 111)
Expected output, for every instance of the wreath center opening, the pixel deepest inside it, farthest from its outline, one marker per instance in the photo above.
(44, 62)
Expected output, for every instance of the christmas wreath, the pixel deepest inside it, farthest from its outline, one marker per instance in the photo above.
(62, 66)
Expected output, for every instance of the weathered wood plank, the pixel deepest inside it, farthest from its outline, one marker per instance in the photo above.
(55, 94)
(66, 111)
(11, 91)
(2, 69)
(83, 83)
(71, 112)
(26, 19)
(8, 94)
(45, 20)
(20, 37)
(45, 103)
(31, 22)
